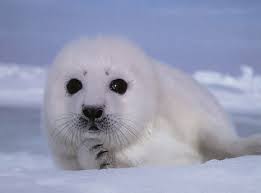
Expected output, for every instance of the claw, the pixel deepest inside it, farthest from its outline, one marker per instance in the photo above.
(96, 147)
(104, 165)
(100, 154)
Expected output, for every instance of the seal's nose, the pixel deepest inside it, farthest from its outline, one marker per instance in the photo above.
(92, 112)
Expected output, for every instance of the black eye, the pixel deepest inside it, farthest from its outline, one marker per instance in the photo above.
(119, 86)
(73, 86)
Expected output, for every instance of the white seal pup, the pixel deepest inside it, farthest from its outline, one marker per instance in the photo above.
(109, 105)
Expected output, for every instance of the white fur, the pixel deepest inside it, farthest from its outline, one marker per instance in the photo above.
(173, 120)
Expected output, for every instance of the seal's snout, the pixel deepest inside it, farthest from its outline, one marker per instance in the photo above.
(92, 112)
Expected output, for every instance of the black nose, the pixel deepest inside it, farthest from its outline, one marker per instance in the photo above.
(92, 112)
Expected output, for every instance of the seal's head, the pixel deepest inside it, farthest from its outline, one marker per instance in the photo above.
(103, 88)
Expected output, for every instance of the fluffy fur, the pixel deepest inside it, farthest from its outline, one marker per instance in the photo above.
(164, 118)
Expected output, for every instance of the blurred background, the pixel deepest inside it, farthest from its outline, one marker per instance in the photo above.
(217, 42)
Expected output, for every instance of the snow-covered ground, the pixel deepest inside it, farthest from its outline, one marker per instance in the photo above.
(25, 166)
(25, 173)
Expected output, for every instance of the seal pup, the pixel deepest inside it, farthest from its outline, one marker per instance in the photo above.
(109, 105)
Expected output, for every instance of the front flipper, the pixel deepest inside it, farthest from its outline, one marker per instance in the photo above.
(93, 155)
(102, 156)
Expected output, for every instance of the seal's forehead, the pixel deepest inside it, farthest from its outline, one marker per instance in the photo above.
(100, 53)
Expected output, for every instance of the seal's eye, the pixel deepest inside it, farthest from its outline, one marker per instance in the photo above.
(119, 86)
(73, 86)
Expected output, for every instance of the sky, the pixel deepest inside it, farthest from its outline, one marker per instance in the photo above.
(219, 35)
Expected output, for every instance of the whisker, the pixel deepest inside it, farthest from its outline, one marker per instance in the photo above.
(116, 129)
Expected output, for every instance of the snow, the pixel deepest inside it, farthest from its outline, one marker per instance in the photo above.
(23, 172)
(233, 91)
(21, 85)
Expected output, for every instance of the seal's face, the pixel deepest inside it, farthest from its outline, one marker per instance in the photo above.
(104, 89)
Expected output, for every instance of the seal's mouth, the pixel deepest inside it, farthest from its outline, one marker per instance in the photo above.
(87, 125)
(93, 128)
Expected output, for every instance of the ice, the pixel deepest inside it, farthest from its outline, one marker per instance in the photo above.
(235, 93)
(21, 85)
(31, 173)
